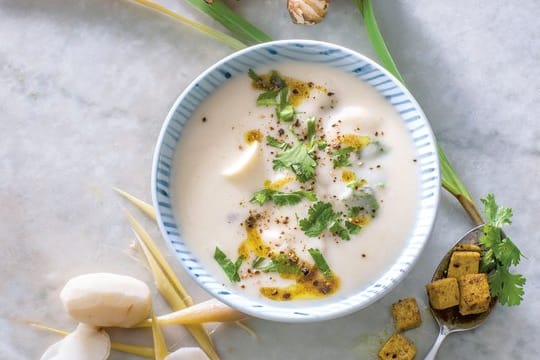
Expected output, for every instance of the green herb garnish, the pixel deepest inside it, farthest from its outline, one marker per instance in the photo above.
(281, 264)
(320, 262)
(500, 254)
(230, 268)
(267, 98)
(299, 160)
(284, 110)
(272, 141)
(321, 217)
(281, 198)
(341, 157)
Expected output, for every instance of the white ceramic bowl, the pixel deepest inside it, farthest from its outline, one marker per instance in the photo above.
(330, 55)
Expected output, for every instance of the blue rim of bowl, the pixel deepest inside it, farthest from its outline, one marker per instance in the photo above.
(366, 70)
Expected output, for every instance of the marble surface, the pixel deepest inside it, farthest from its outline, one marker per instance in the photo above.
(85, 86)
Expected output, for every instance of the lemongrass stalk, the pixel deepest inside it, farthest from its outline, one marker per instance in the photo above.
(207, 30)
(246, 328)
(160, 347)
(169, 286)
(207, 311)
(450, 179)
(236, 24)
(138, 350)
(160, 260)
(146, 208)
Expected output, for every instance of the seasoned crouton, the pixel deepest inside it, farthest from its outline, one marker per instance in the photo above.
(406, 314)
(443, 293)
(467, 247)
(475, 297)
(462, 263)
(398, 347)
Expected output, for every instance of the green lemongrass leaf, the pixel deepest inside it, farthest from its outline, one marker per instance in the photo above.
(142, 351)
(376, 38)
(236, 24)
(143, 206)
(205, 29)
(320, 261)
(160, 347)
(449, 178)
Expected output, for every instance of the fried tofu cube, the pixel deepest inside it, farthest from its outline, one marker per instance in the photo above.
(467, 247)
(443, 293)
(463, 263)
(475, 296)
(406, 314)
(398, 347)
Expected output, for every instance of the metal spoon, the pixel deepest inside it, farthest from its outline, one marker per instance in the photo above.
(450, 320)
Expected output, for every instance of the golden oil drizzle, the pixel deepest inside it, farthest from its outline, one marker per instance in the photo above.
(311, 286)
(277, 184)
(253, 242)
(348, 176)
(357, 142)
(251, 136)
(361, 220)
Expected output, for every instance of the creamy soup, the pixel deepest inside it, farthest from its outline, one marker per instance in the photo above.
(296, 184)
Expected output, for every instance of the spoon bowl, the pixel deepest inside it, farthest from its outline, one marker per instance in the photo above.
(450, 320)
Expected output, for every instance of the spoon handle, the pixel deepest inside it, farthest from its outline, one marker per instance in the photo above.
(443, 332)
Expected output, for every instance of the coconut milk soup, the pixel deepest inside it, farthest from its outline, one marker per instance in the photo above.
(295, 182)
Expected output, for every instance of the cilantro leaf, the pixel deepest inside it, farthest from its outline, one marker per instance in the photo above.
(320, 261)
(276, 81)
(337, 228)
(272, 141)
(258, 260)
(311, 131)
(253, 75)
(320, 217)
(285, 111)
(496, 215)
(506, 286)
(352, 228)
(267, 98)
(341, 157)
(500, 253)
(299, 160)
(281, 198)
(281, 264)
(507, 252)
(230, 268)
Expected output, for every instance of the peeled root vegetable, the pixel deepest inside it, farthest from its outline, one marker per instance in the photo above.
(187, 353)
(107, 300)
(85, 343)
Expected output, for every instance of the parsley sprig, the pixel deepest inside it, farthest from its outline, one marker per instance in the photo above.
(501, 253)
(322, 217)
